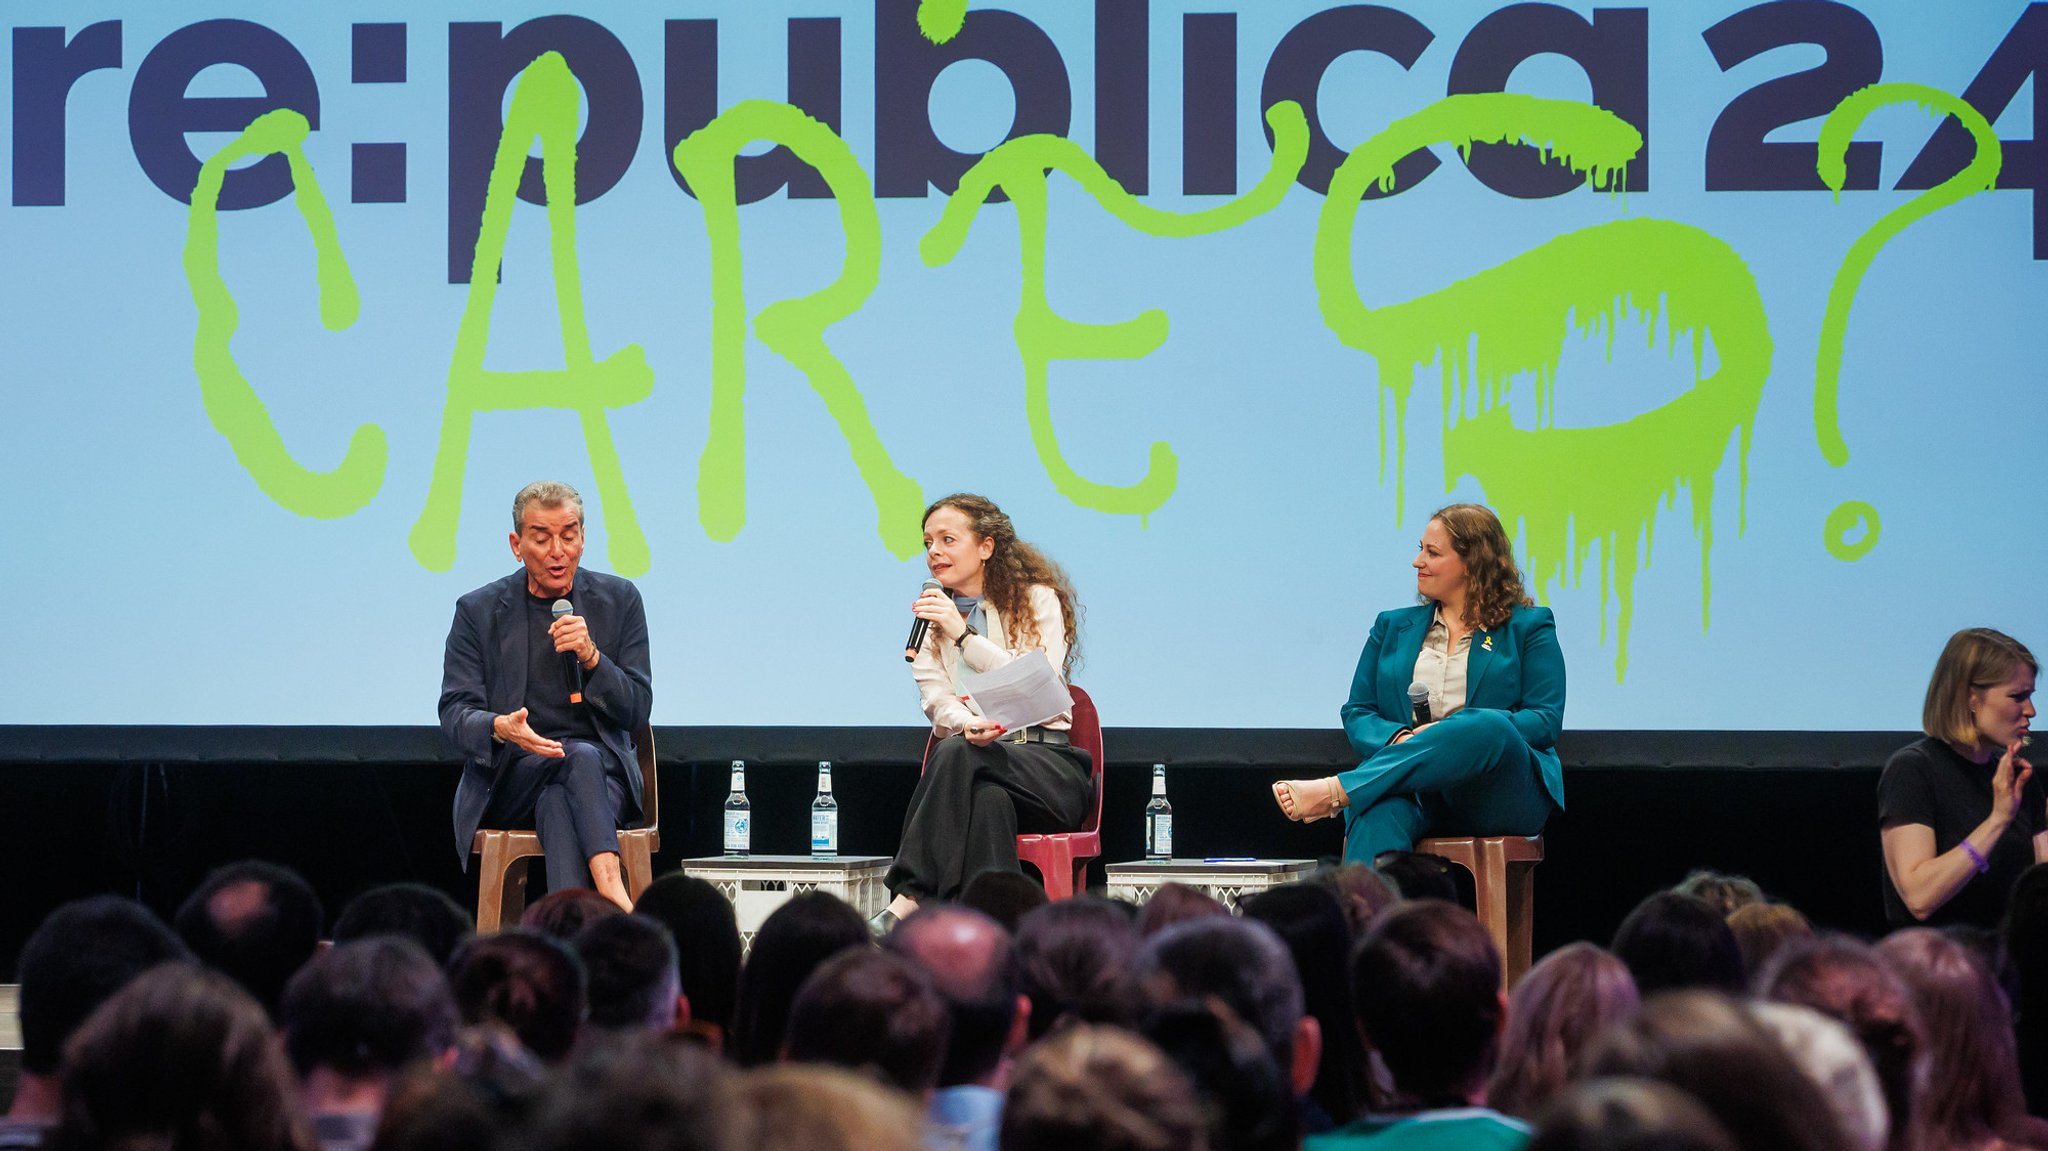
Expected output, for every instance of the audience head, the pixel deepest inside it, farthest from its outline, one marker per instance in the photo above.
(707, 944)
(1100, 1089)
(1416, 875)
(973, 966)
(1835, 1062)
(629, 968)
(1173, 903)
(425, 915)
(1975, 660)
(1973, 1084)
(561, 914)
(1004, 896)
(474, 1103)
(630, 1091)
(796, 937)
(1362, 892)
(871, 1011)
(1426, 982)
(2026, 940)
(1247, 1103)
(1672, 941)
(81, 954)
(1554, 1012)
(1704, 1043)
(368, 1009)
(1309, 920)
(814, 1108)
(181, 1059)
(528, 982)
(1243, 964)
(256, 922)
(1624, 1114)
(1762, 929)
(1724, 893)
(1847, 981)
(1074, 960)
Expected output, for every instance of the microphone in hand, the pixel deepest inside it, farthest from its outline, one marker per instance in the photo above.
(561, 608)
(919, 626)
(1418, 704)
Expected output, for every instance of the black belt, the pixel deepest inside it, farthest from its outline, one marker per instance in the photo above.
(1037, 735)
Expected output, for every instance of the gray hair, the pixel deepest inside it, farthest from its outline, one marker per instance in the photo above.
(546, 493)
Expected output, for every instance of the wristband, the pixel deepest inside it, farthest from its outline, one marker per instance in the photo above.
(1977, 859)
(961, 643)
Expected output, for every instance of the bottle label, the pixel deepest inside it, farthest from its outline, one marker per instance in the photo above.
(736, 830)
(824, 833)
(739, 780)
(1161, 845)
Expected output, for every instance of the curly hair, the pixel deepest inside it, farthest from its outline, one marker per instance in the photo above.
(1493, 584)
(1007, 576)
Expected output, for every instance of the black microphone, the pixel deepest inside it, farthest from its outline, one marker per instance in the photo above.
(920, 626)
(562, 608)
(1418, 704)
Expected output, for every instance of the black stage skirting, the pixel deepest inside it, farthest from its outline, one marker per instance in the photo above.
(146, 811)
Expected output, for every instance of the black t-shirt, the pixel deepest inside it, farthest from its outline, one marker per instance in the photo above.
(1926, 782)
(548, 710)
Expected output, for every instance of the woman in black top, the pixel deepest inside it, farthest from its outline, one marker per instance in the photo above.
(1960, 813)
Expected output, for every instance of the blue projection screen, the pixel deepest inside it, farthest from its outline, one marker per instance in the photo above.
(1735, 312)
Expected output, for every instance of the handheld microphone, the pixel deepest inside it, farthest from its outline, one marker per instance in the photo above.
(920, 625)
(1418, 704)
(561, 608)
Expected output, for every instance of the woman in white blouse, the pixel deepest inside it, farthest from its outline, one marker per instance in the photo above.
(1484, 759)
(982, 785)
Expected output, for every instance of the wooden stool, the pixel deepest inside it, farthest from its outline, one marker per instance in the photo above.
(1503, 871)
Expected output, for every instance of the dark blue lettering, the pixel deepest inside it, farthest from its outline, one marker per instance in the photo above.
(160, 113)
(45, 68)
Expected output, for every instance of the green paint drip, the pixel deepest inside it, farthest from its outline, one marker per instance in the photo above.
(1561, 489)
(1844, 521)
(793, 329)
(941, 20)
(545, 106)
(1021, 168)
(232, 405)
(1979, 175)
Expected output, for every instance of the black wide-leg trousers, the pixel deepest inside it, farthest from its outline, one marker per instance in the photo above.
(971, 804)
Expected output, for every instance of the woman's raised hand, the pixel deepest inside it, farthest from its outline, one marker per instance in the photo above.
(2009, 782)
(935, 606)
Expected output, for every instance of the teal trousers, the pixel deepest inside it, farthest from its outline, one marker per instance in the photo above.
(1470, 774)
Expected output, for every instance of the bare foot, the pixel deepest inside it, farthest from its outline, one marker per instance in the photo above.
(604, 875)
(1307, 800)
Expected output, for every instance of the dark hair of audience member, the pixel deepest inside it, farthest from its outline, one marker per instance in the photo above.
(1672, 941)
(874, 1012)
(2026, 950)
(561, 914)
(529, 982)
(1310, 922)
(972, 964)
(1724, 893)
(1761, 930)
(1074, 962)
(1846, 980)
(256, 922)
(1241, 962)
(425, 915)
(629, 1091)
(473, 1104)
(181, 1059)
(795, 938)
(1418, 875)
(707, 947)
(1095, 1088)
(629, 971)
(1554, 1011)
(1247, 1103)
(1173, 903)
(1972, 1092)
(367, 1008)
(809, 1107)
(1004, 896)
(1625, 1114)
(1705, 1044)
(1426, 982)
(1362, 892)
(80, 955)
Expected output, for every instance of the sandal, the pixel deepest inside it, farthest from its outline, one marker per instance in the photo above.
(1294, 798)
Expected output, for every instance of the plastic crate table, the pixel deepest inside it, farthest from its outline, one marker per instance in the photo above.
(756, 885)
(1225, 880)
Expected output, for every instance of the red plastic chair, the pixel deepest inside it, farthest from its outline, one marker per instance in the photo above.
(1062, 857)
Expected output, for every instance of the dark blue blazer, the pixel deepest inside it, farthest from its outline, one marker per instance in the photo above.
(483, 675)
(1517, 669)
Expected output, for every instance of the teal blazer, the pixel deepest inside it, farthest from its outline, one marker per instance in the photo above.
(1517, 669)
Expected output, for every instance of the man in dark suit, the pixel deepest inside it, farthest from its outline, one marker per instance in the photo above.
(541, 748)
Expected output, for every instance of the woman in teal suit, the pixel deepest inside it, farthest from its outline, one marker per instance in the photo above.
(1485, 761)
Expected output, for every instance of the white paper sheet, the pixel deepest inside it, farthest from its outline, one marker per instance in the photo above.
(1021, 693)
